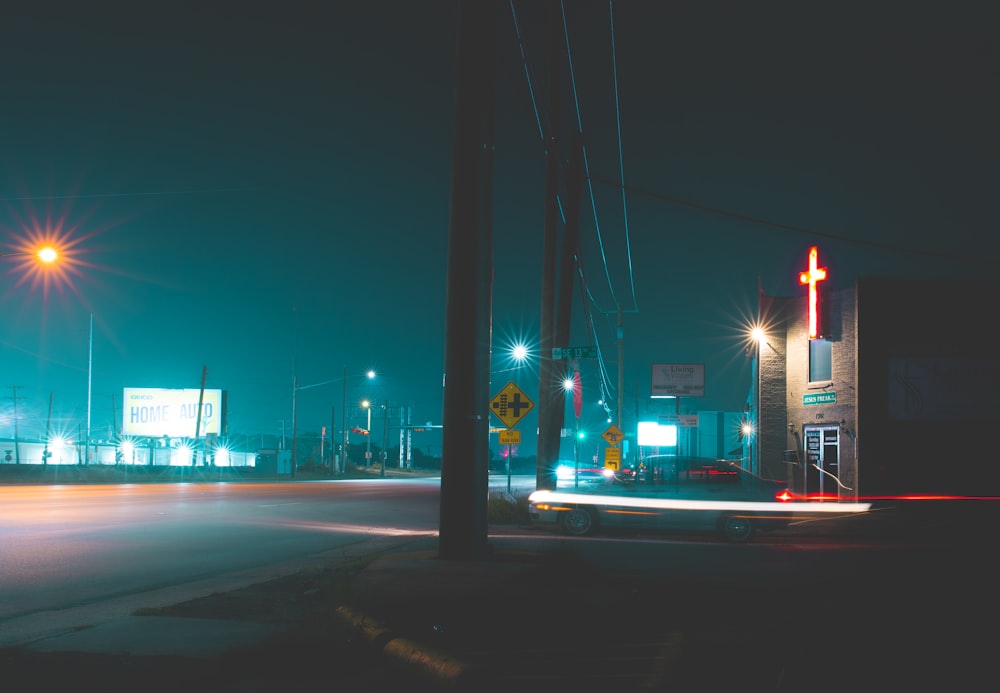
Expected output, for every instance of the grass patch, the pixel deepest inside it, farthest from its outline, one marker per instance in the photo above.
(507, 508)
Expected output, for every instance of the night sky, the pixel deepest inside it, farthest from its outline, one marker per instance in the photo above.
(264, 189)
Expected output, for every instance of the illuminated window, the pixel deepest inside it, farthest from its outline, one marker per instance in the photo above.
(820, 360)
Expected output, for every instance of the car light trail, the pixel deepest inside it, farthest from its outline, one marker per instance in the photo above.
(557, 497)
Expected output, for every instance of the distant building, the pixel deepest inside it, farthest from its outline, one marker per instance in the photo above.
(895, 395)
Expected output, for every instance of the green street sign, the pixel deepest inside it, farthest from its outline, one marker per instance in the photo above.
(819, 398)
(587, 352)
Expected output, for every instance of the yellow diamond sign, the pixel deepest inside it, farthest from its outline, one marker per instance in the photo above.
(613, 435)
(511, 405)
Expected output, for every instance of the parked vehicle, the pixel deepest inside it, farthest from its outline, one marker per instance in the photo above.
(679, 469)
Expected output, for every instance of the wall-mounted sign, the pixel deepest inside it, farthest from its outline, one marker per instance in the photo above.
(810, 277)
(819, 398)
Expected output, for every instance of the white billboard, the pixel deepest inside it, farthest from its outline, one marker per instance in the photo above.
(156, 412)
(678, 380)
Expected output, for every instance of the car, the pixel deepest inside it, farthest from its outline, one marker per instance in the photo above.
(674, 469)
(733, 510)
(569, 474)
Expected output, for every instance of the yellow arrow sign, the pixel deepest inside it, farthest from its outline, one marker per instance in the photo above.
(613, 458)
(510, 405)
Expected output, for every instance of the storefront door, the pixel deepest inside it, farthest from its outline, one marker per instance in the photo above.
(822, 462)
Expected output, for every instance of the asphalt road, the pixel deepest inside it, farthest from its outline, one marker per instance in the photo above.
(804, 609)
(62, 547)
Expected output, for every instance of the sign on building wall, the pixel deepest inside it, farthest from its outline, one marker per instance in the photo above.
(677, 380)
(158, 412)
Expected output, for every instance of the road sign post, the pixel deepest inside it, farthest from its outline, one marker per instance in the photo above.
(510, 405)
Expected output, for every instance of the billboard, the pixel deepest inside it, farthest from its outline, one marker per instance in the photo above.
(678, 380)
(156, 412)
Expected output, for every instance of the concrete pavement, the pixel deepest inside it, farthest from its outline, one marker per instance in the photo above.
(520, 619)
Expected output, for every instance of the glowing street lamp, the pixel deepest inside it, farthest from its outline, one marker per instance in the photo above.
(368, 438)
(571, 384)
(295, 397)
(519, 352)
(752, 427)
(343, 414)
(46, 254)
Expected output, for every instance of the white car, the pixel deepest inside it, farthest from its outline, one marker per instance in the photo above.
(734, 511)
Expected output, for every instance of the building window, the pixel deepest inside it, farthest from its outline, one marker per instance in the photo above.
(820, 360)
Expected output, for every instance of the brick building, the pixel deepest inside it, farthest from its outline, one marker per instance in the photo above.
(895, 395)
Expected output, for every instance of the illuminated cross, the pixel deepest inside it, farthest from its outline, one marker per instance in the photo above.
(815, 274)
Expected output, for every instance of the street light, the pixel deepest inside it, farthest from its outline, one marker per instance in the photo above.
(518, 352)
(368, 437)
(571, 384)
(758, 336)
(295, 397)
(47, 254)
(343, 451)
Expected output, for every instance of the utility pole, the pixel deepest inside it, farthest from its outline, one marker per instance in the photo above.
(385, 436)
(114, 417)
(567, 272)
(90, 379)
(343, 420)
(469, 299)
(549, 397)
(333, 440)
(621, 373)
(48, 428)
(197, 420)
(17, 444)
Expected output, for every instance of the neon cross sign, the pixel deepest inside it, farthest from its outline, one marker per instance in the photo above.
(811, 276)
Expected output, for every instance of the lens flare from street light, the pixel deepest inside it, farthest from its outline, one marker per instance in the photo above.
(47, 259)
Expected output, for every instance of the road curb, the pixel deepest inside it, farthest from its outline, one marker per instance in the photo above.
(445, 670)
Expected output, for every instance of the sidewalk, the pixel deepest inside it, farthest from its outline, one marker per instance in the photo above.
(516, 620)
(308, 629)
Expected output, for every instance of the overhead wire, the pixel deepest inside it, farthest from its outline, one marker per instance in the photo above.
(586, 165)
(739, 216)
(590, 301)
(621, 163)
(604, 380)
(527, 73)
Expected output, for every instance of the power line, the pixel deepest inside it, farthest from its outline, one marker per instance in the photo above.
(146, 193)
(621, 165)
(792, 228)
(586, 166)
